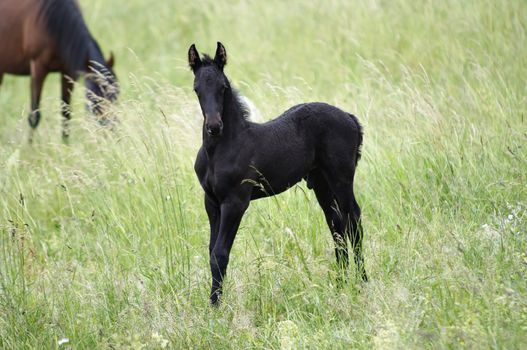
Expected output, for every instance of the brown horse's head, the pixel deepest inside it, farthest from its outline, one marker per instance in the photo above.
(101, 85)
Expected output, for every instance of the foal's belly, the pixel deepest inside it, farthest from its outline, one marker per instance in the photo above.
(265, 189)
(279, 177)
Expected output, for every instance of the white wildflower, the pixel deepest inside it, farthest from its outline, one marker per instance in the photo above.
(158, 338)
(288, 331)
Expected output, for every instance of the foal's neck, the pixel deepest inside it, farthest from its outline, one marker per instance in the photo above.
(234, 120)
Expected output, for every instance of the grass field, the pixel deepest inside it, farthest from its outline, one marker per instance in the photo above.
(104, 241)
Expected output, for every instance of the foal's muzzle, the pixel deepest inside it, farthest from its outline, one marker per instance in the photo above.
(214, 130)
(213, 124)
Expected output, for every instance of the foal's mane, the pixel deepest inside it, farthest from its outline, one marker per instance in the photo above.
(241, 105)
(65, 24)
(206, 60)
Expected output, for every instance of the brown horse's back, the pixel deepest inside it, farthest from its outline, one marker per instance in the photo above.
(23, 37)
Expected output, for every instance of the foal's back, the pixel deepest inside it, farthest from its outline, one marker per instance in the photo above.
(306, 137)
(316, 127)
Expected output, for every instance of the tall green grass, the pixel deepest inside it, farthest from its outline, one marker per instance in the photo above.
(104, 241)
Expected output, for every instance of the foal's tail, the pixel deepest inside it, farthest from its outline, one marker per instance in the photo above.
(360, 132)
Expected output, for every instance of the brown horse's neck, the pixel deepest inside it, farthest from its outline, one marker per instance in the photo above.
(66, 27)
(94, 53)
(92, 59)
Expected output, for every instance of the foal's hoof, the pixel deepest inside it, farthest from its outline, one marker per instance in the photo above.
(215, 299)
(364, 276)
(31, 136)
(341, 281)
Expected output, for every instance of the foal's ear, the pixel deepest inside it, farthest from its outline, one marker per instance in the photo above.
(221, 55)
(193, 58)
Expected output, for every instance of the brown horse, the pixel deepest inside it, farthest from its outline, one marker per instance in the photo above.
(42, 36)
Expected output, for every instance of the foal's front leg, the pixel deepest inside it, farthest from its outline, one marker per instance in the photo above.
(213, 212)
(232, 211)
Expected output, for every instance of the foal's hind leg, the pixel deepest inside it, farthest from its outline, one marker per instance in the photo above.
(356, 235)
(329, 206)
(350, 212)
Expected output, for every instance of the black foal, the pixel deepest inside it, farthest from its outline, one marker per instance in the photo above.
(240, 161)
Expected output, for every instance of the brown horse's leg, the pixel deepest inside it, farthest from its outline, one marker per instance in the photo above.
(38, 75)
(67, 88)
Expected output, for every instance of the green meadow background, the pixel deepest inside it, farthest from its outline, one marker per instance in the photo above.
(104, 241)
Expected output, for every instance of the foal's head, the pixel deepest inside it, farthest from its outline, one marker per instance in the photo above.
(210, 85)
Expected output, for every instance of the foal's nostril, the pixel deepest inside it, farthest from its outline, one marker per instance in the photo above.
(215, 129)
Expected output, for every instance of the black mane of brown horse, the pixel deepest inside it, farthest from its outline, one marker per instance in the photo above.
(76, 43)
